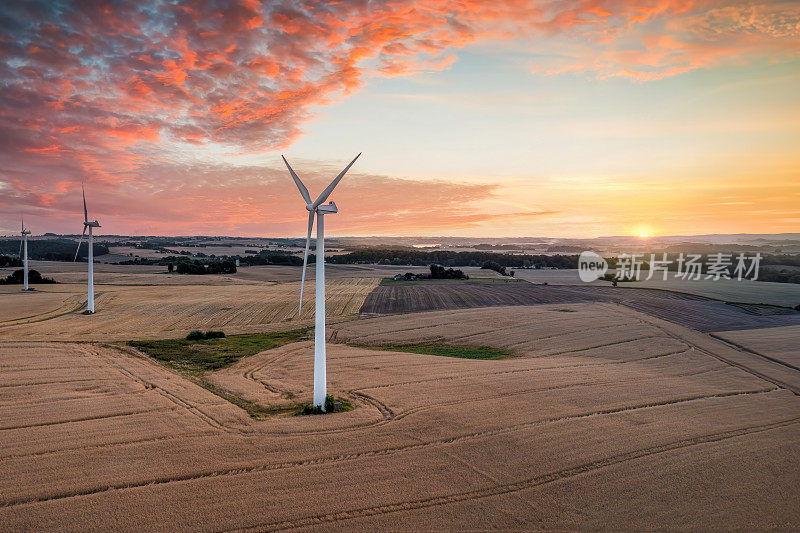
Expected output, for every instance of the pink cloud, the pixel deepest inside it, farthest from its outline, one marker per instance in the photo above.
(98, 91)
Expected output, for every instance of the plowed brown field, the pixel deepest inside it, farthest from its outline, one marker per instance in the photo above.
(697, 312)
(641, 424)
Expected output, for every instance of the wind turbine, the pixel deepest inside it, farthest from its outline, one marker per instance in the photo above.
(90, 225)
(319, 317)
(23, 248)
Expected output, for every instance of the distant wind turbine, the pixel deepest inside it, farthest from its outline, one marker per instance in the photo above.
(320, 386)
(23, 254)
(90, 225)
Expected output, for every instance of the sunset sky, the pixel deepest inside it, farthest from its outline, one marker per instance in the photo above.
(553, 118)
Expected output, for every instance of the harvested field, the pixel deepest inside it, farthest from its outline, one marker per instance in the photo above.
(781, 343)
(19, 306)
(667, 434)
(290, 273)
(563, 276)
(745, 291)
(153, 312)
(112, 274)
(697, 312)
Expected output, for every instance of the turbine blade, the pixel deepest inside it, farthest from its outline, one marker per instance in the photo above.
(305, 260)
(20, 247)
(85, 213)
(79, 245)
(327, 192)
(303, 190)
(22, 218)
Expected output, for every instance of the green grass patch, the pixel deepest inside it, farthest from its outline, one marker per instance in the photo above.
(211, 354)
(447, 350)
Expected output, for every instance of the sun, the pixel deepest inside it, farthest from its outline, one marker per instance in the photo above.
(643, 231)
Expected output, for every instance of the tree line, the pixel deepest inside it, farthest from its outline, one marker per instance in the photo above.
(51, 249)
(452, 259)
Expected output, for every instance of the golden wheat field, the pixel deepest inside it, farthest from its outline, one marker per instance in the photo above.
(97, 437)
(146, 312)
(602, 417)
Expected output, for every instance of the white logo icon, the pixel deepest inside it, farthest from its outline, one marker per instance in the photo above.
(591, 266)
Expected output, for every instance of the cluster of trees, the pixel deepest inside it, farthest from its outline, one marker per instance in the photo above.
(497, 267)
(34, 278)
(439, 272)
(51, 249)
(274, 257)
(779, 276)
(452, 259)
(782, 259)
(212, 262)
(10, 261)
(198, 268)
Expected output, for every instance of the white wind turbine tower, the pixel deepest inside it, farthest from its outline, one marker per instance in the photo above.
(90, 225)
(23, 248)
(319, 316)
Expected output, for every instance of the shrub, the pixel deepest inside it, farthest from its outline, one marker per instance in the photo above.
(309, 409)
(332, 405)
(195, 335)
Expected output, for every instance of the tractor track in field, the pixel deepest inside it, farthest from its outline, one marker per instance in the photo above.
(179, 402)
(110, 445)
(89, 418)
(388, 414)
(507, 488)
(404, 448)
(62, 310)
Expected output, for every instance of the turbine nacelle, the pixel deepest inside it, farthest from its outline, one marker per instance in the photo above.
(327, 209)
(94, 224)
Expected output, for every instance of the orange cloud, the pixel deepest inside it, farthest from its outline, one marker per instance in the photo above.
(99, 91)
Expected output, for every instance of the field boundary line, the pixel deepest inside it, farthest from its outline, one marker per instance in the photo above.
(754, 352)
(741, 366)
